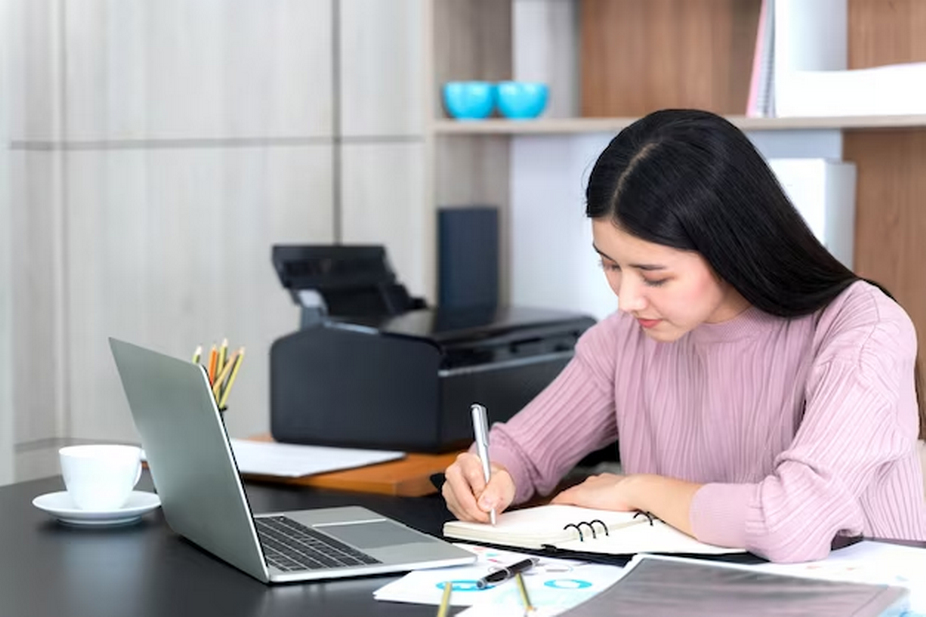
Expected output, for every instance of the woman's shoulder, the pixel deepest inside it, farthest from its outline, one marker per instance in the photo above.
(863, 320)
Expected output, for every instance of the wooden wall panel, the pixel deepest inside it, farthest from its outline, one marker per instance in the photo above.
(886, 32)
(638, 56)
(890, 224)
(891, 214)
(472, 41)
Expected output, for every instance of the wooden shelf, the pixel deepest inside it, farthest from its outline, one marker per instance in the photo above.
(554, 126)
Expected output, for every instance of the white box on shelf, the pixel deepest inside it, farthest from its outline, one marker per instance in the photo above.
(896, 89)
(823, 191)
(808, 52)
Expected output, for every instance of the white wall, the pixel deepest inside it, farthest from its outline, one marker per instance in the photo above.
(157, 151)
(381, 116)
(6, 296)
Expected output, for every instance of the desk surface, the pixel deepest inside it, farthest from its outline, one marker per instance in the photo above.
(145, 570)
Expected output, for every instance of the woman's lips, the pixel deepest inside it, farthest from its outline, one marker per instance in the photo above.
(648, 323)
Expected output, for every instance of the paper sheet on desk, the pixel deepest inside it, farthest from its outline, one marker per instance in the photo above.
(869, 562)
(284, 460)
(554, 585)
(294, 461)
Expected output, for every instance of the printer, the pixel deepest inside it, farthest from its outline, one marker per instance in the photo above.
(373, 367)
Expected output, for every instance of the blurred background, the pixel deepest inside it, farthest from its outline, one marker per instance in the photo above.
(154, 151)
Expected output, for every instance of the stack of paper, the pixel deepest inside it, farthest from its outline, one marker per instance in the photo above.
(801, 61)
(895, 89)
(267, 458)
(554, 585)
(293, 461)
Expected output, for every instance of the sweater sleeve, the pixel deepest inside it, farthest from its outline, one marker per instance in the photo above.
(571, 417)
(860, 417)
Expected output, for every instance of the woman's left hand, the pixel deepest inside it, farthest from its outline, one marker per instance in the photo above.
(606, 491)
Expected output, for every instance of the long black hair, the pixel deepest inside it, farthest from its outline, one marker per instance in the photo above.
(691, 180)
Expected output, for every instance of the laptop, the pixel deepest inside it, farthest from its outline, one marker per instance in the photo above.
(194, 472)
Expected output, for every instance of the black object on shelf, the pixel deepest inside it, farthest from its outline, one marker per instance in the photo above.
(372, 367)
(341, 281)
(467, 256)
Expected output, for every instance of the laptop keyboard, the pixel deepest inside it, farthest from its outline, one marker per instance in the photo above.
(290, 546)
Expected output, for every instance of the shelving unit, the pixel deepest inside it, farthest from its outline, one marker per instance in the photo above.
(641, 55)
(565, 126)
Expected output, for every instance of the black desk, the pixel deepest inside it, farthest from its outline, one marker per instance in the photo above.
(48, 569)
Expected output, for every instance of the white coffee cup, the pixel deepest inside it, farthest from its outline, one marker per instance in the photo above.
(100, 477)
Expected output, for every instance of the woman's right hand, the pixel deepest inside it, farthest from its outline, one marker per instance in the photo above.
(468, 496)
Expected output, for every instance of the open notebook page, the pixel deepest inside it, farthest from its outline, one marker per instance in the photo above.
(547, 525)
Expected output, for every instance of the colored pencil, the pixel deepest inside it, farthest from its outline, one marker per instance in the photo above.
(223, 356)
(528, 607)
(223, 376)
(231, 380)
(445, 599)
(213, 356)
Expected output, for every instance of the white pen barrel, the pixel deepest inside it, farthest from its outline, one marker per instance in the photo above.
(481, 430)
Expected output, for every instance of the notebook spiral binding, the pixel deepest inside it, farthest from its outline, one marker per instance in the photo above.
(591, 525)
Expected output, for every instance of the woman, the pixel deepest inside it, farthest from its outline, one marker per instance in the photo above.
(762, 395)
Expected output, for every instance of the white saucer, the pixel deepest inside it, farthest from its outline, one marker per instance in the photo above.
(61, 506)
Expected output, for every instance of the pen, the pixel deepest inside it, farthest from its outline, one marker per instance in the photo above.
(505, 573)
(197, 354)
(481, 429)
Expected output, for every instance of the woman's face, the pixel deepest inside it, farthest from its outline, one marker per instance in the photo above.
(669, 291)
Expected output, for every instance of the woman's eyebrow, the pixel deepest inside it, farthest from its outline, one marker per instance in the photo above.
(646, 267)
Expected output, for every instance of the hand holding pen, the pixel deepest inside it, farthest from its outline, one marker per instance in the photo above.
(467, 493)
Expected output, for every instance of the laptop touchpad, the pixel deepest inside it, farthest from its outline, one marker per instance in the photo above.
(374, 534)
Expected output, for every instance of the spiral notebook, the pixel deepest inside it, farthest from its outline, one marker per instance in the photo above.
(583, 530)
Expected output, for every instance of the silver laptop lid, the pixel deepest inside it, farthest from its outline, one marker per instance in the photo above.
(189, 455)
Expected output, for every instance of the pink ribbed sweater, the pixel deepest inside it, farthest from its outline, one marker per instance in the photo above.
(799, 429)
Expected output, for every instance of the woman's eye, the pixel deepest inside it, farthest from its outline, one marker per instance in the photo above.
(656, 283)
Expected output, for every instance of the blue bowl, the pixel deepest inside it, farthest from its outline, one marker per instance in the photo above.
(520, 100)
(469, 100)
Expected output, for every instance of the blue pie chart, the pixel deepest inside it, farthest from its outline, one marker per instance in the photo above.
(566, 583)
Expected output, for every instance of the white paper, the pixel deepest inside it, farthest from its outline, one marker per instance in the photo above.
(869, 562)
(294, 461)
(897, 89)
(554, 585)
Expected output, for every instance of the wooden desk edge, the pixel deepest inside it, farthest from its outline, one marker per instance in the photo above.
(407, 477)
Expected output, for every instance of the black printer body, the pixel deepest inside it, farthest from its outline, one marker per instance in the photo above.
(406, 380)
